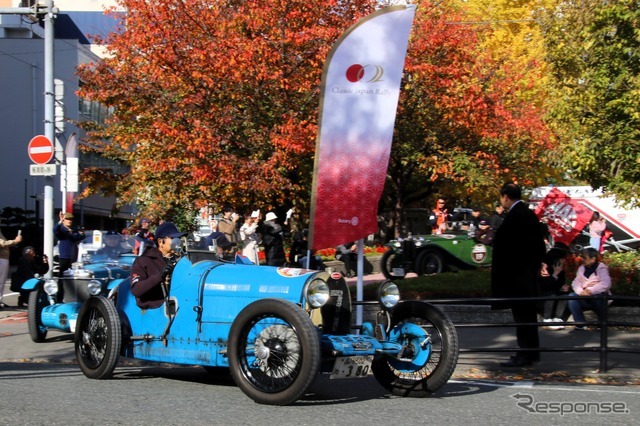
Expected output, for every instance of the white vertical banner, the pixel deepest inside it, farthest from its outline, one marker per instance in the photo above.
(359, 98)
(70, 177)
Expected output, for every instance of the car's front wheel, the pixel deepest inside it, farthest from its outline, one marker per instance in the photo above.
(274, 351)
(98, 338)
(392, 266)
(38, 300)
(429, 351)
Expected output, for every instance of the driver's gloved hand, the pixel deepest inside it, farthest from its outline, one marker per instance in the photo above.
(168, 270)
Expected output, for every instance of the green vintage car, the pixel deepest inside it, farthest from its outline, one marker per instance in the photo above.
(433, 254)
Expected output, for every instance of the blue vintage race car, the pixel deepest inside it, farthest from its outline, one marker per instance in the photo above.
(95, 275)
(274, 329)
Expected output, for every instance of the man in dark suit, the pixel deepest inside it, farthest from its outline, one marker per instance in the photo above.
(518, 249)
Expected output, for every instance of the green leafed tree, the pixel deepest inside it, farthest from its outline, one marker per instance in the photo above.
(594, 51)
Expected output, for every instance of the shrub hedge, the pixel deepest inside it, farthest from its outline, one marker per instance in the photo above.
(623, 267)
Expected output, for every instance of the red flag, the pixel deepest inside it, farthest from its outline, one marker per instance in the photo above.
(564, 216)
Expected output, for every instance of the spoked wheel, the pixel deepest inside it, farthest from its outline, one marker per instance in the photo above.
(391, 265)
(98, 338)
(429, 355)
(274, 351)
(429, 262)
(38, 300)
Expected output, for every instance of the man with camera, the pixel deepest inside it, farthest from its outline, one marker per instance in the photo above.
(227, 224)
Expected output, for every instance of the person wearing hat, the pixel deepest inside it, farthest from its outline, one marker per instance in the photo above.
(484, 233)
(111, 249)
(476, 217)
(68, 239)
(153, 267)
(5, 245)
(28, 266)
(273, 239)
(218, 240)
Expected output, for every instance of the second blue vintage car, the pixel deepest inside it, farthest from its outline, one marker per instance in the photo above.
(274, 330)
(96, 274)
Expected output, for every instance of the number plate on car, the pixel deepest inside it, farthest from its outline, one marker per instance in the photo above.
(351, 367)
(398, 272)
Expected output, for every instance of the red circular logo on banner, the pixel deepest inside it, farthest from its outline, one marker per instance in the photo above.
(40, 149)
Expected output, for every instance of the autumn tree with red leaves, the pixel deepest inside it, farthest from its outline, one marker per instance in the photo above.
(464, 124)
(217, 102)
(214, 101)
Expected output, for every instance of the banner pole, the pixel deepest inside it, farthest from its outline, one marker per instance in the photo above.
(360, 273)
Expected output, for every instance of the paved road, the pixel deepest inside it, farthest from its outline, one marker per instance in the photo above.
(59, 394)
(40, 384)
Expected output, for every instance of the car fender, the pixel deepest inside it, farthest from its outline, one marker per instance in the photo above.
(115, 283)
(31, 283)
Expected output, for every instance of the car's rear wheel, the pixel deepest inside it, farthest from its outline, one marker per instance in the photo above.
(391, 265)
(38, 300)
(274, 351)
(429, 262)
(98, 338)
(429, 355)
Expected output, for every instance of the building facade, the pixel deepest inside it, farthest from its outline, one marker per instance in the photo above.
(22, 104)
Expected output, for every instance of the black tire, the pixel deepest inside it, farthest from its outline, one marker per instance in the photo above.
(391, 259)
(429, 262)
(274, 351)
(98, 338)
(422, 371)
(38, 300)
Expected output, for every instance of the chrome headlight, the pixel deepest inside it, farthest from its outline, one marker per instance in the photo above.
(388, 294)
(317, 293)
(94, 287)
(397, 244)
(51, 287)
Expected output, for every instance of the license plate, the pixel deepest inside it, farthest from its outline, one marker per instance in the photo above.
(351, 367)
(398, 272)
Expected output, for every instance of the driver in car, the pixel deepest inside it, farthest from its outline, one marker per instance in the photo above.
(153, 267)
(111, 249)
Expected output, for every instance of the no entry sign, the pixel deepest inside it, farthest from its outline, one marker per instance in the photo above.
(40, 149)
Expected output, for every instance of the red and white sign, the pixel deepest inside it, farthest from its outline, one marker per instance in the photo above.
(564, 216)
(359, 98)
(40, 149)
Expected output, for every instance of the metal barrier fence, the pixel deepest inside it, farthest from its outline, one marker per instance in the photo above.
(602, 323)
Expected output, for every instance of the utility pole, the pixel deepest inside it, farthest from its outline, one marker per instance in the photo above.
(49, 123)
(49, 13)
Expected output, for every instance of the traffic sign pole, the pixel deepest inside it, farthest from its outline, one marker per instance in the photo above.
(49, 127)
